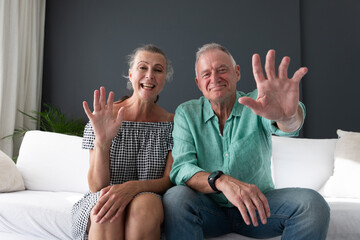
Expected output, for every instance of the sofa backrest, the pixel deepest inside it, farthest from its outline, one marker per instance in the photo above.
(53, 162)
(56, 162)
(302, 162)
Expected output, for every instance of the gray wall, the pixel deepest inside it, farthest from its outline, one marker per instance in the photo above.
(86, 43)
(331, 49)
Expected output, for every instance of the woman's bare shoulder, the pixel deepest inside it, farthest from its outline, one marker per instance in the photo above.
(165, 116)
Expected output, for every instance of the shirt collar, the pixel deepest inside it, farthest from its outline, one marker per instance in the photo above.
(208, 112)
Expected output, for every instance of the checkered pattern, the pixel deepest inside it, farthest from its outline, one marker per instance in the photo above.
(138, 152)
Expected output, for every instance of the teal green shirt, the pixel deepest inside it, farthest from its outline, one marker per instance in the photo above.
(242, 151)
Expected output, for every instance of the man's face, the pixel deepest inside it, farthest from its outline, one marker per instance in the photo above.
(216, 76)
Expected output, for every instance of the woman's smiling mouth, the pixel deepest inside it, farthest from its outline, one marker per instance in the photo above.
(147, 86)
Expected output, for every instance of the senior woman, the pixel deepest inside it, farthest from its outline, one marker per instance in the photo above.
(130, 146)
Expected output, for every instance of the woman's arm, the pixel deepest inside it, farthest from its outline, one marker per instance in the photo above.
(99, 169)
(105, 126)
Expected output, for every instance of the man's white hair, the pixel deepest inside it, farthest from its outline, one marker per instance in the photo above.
(212, 46)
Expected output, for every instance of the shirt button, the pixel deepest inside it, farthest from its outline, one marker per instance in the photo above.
(226, 155)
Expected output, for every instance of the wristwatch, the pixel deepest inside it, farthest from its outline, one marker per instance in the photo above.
(212, 178)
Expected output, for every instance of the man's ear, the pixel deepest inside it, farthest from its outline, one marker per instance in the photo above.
(197, 83)
(130, 75)
(237, 72)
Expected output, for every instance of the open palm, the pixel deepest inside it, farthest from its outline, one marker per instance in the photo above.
(278, 95)
(103, 121)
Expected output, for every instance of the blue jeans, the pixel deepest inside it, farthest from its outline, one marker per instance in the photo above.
(296, 213)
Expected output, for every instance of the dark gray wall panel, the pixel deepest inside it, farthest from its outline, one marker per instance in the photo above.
(86, 42)
(331, 50)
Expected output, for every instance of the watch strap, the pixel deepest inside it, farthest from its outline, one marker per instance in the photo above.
(212, 178)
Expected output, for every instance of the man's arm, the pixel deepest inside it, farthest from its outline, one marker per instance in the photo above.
(293, 123)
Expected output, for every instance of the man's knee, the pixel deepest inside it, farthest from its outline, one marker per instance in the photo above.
(310, 205)
(316, 206)
(179, 198)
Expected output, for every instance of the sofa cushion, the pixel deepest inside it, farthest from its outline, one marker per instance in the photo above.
(10, 177)
(344, 218)
(53, 162)
(46, 215)
(299, 162)
(346, 177)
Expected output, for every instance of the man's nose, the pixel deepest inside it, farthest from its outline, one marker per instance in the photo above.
(214, 77)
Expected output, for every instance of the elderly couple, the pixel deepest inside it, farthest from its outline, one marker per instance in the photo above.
(216, 150)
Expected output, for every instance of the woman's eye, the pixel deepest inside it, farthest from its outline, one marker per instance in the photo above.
(142, 68)
(158, 70)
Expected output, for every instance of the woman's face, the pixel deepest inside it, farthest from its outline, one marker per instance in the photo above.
(148, 75)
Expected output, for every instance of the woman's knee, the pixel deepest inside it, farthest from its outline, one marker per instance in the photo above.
(106, 229)
(145, 210)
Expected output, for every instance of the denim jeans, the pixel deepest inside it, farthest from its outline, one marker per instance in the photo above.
(296, 213)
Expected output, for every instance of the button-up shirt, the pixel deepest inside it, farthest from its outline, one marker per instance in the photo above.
(243, 150)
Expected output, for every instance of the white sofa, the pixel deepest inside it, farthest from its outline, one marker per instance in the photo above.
(54, 170)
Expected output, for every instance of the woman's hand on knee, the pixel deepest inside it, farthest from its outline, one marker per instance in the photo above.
(112, 202)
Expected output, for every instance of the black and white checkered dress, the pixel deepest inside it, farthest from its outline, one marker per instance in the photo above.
(138, 152)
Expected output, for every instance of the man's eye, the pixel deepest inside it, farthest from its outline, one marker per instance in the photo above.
(222, 70)
(205, 75)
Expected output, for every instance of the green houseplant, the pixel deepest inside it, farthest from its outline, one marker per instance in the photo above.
(51, 119)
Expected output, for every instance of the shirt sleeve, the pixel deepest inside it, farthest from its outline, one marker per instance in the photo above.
(271, 126)
(169, 138)
(185, 163)
(89, 137)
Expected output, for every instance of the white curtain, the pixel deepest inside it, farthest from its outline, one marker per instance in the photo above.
(21, 61)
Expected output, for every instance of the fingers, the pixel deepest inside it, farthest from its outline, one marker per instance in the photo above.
(102, 97)
(270, 65)
(244, 213)
(120, 115)
(251, 103)
(87, 109)
(106, 211)
(118, 213)
(252, 200)
(257, 68)
(110, 101)
(262, 207)
(283, 67)
(106, 206)
(104, 191)
(99, 100)
(254, 204)
(109, 206)
(96, 101)
(299, 74)
(266, 204)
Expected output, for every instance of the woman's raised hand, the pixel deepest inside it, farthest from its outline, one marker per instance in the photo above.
(104, 122)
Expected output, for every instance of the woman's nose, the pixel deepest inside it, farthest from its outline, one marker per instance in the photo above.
(150, 74)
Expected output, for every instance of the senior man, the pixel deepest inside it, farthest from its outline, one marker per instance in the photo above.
(222, 151)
